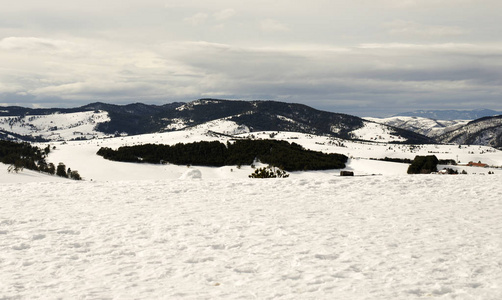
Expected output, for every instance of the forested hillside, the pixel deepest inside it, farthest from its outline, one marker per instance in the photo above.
(21, 156)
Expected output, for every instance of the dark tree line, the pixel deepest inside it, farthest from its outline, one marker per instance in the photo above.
(289, 157)
(395, 160)
(25, 156)
(423, 165)
(447, 162)
(409, 161)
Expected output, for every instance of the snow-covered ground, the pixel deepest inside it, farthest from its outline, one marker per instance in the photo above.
(142, 231)
(378, 237)
(375, 131)
(81, 155)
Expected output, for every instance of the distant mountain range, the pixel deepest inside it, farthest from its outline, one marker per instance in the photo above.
(451, 115)
(425, 126)
(101, 119)
(486, 131)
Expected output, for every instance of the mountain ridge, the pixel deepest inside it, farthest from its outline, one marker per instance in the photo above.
(486, 131)
(451, 115)
(139, 118)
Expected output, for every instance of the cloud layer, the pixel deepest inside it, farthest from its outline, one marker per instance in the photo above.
(366, 58)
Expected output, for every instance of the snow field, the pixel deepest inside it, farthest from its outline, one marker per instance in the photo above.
(57, 126)
(25, 176)
(81, 155)
(379, 237)
(377, 132)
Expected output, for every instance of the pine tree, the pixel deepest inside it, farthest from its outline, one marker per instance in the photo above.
(61, 170)
(269, 172)
(74, 175)
(51, 169)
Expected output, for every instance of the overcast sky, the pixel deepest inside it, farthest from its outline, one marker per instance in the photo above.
(362, 57)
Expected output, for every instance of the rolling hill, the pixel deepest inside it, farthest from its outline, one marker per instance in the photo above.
(425, 126)
(100, 119)
(485, 131)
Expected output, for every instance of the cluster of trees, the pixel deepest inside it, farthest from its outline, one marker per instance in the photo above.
(269, 172)
(69, 173)
(21, 156)
(451, 162)
(290, 157)
(450, 171)
(423, 165)
(24, 156)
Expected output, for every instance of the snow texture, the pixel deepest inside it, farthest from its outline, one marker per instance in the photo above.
(379, 237)
(192, 174)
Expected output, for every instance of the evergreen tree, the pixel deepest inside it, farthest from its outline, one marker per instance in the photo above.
(269, 172)
(51, 169)
(16, 167)
(75, 175)
(61, 170)
(423, 165)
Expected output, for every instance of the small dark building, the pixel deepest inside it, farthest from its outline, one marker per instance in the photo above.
(346, 173)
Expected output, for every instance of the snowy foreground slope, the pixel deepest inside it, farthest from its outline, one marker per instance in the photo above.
(379, 237)
(143, 231)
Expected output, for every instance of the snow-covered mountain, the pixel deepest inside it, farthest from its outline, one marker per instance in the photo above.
(451, 115)
(425, 126)
(100, 119)
(485, 131)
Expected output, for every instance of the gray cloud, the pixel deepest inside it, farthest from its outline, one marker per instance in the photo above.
(224, 14)
(409, 28)
(197, 19)
(362, 57)
(273, 25)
